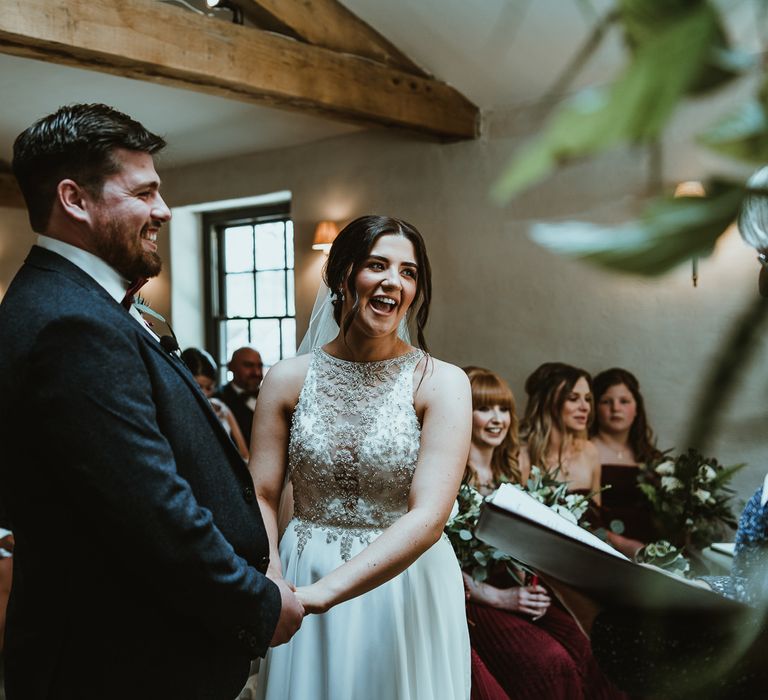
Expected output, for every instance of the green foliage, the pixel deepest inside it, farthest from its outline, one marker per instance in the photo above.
(642, 20)
(665, 556)
(475, 557)
(742, 134)
(635, 108)
(670, 231)
(678, 49)
(480, 559)
(691, 498)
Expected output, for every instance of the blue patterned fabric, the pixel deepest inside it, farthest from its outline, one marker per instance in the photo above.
(747, 582)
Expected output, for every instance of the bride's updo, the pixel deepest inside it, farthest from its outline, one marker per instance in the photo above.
(351, 249)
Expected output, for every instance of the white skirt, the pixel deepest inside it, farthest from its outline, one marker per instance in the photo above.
(405, 640)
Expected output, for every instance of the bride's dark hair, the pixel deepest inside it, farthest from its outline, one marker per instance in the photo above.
(350, 251)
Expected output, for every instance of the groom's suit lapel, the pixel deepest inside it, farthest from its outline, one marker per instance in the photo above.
(47, 260)
(181, 369)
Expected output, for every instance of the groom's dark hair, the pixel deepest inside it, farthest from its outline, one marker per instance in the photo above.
(76, 142)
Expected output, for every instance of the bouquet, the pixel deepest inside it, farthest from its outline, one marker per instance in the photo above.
(480, 559)
(665, 556)
(690, 498)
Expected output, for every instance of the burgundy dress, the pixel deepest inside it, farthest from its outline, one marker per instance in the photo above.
(624, 501)
(547, 659)
(515, 658)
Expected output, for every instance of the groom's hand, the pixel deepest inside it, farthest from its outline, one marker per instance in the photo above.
(291, 613)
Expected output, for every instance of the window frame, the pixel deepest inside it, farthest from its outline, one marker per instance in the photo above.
(214, 275)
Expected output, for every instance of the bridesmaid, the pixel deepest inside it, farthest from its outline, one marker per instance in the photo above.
(624, 441)
(554, 429)
(522, 646)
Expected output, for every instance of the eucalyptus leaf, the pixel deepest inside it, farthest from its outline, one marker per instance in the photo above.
(642, 20)
(617, 526)
(481, 557)
(742, 134)
(670, 232)
(634, 108)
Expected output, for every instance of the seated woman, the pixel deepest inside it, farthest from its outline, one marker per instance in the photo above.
(623, 440)
(523, 647)
(554, 429)
(203, 369)
(748, 580)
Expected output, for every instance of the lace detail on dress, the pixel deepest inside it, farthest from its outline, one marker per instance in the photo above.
(353, 447)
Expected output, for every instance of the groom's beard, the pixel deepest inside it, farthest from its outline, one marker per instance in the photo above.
(122, 249)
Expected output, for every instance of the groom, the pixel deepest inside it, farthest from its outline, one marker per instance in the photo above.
(140, 549)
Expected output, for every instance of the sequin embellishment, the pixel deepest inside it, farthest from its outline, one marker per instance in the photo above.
(353, 448)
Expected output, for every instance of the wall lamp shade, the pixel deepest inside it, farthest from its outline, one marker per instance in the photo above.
(690, 188)
(233, 7)
(325, 234)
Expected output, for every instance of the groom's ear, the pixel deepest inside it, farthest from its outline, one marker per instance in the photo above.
(73, 200)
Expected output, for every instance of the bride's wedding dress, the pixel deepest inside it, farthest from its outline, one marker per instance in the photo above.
(352, 452)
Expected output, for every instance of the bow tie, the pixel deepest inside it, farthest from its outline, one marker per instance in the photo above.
(131, 292)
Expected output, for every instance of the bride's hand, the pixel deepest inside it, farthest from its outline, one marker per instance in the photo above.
(314, 598)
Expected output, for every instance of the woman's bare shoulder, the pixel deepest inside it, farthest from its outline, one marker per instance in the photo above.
(438, 378)
(287, 377)
(588, 450)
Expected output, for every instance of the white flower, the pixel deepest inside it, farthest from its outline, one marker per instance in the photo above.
(671, 483)
(576, 504)
(454, 511)
(706, 473)
(564, 512)
(665, 468)
(702, 495)
(477, 497)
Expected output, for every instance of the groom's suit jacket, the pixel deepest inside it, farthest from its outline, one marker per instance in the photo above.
(140, 548)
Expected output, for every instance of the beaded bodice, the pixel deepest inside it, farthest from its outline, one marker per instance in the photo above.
(353, 446)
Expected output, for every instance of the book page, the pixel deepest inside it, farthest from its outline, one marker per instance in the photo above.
(516, 501)
(728, 548)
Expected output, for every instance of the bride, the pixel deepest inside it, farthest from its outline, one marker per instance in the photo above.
(373, 435)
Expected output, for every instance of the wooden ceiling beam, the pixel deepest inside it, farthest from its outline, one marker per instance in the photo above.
(147, 40)
(329, 24)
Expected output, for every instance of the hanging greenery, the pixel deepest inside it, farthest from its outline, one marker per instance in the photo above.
(677, 50)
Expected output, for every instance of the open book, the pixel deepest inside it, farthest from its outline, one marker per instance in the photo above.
(537, 536)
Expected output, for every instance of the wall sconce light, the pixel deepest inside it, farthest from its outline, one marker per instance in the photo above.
(234, 8)
(325, 234)
(691, 188)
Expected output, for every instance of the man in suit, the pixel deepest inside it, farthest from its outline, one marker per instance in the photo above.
(240, 394)
(140, 549)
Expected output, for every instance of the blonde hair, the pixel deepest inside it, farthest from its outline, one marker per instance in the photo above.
(489, 389)
(544, 410)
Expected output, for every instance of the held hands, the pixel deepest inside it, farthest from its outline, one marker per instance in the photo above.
(291, 612)
(528, 600)
(314, 598)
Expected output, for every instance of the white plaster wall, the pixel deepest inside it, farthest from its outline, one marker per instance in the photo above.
(501, 301)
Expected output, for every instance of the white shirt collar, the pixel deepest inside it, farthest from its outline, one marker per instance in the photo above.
(764, 495)
(89, 263)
